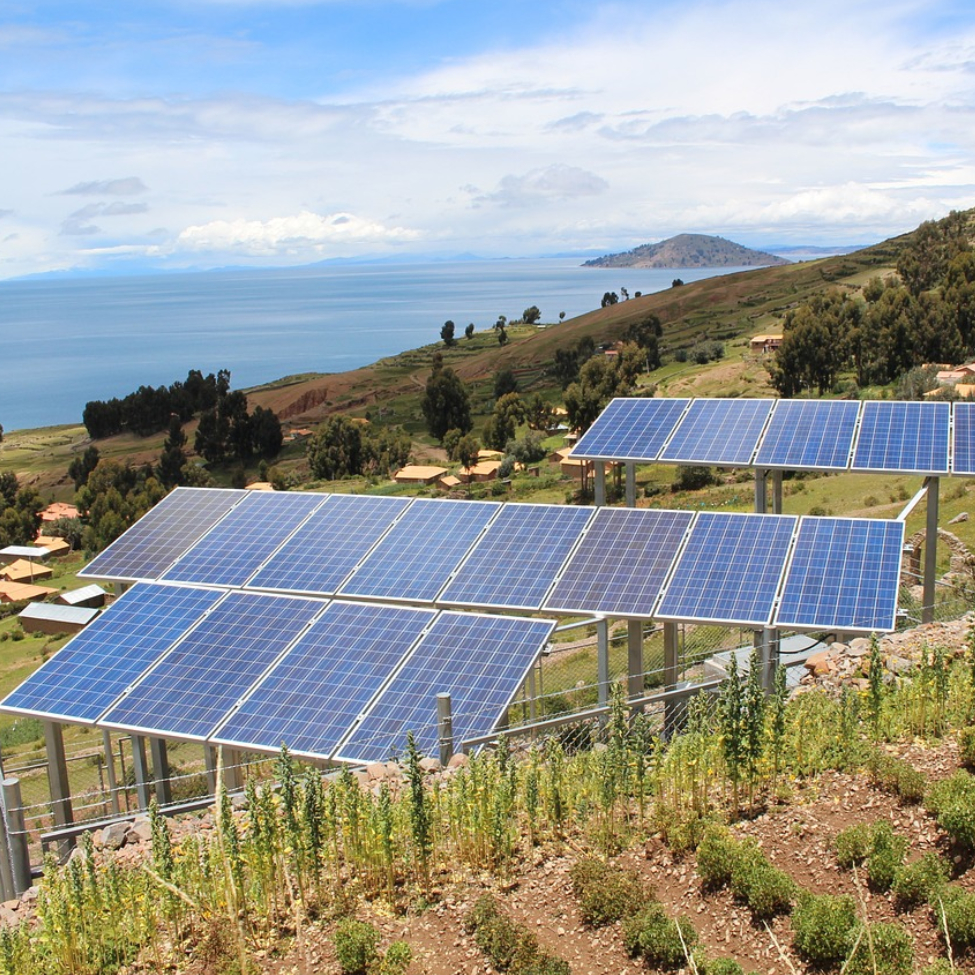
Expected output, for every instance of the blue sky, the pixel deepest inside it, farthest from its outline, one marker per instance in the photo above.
(273, 132)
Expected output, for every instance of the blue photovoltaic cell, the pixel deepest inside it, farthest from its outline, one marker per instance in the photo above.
(903, 437)
(622, 562)
(481, 661)
(515, 563)
(415, 558)
(630, 429)
(730, 569)
(809, 435)
(316, 692)
(718, 431)
(845, 573)
(327, 547)
(204, 675)
(162, 535)
(231, 553)
(88, 674)
(963, 454)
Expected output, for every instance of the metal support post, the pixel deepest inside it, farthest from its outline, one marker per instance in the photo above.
(110, 769)
(634, 658)
(6, 860)
(233, 779)
(57, 777)
(160, 771)
(630, 468)
(602, 660)
(532, 696)
(445, 727)
(210, 762)
(761, 493)
(930, 550)
(777, 492)
(141, 768)
(770, 658)
(598, 483)
(13, 805)
(670, 677)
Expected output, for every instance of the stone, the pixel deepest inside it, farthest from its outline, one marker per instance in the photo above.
(141, 832)
(429, 764)
(458, 760)
(113, 835)
(818, 663)
(376, 770)
(963, 516)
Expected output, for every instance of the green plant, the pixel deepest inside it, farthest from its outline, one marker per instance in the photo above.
(941, 966)
(661, 941)
(716, 856)
(875, 690)
(852, 845)
(511, 947)
(952, 801)
(396, 959)
(886, 856)
(823, 927)
(954, 914)
(724, 966)
(896, 777)
(882, 949)
(966, 746)
(920, 881)
(356, 945)
(605, 893)
(765, 889)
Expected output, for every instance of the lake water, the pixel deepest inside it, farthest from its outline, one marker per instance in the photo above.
(65, 342)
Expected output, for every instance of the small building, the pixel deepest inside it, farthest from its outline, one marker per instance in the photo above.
(419, 474)
(92, 597)
(259, 486)
(763, 344)
(16, 553)
(25, 570)
(449, 483)
(56, 546)
(489, 455)
(296, 436)
(22, 592)
(51, 618)
(57, 510)
(486, 470)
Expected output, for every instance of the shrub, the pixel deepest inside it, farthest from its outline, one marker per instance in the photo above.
(355, 945)
(852, 845)
(605, 893)
(724, 966)
(823, 928)
(396, 959)
(920, 881)
(886, 856)
(511, 947)
(655, 937)
(716, 857)
(966, 746)
(954, 911)
(896, 777)
(952, 801)
(941, 966)
(883, 949)
(766, 890)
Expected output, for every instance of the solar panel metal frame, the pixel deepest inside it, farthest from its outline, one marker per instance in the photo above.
(136, 534)
(878, 408)
(485, 561)
(656, 419)
(211, 562)
(811, 525)
(226, 733)
(688, 553)
(141, 594)
(595, 540)
(963, 439)
(341, 754)
(401, 543)
(698, 419)
(311, 532)
(115, 718)
(769, 453)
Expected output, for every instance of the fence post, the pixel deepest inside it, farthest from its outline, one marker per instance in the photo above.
(57, 776)
(141, 767)
(13, 805)
(160, 771)
(6, 869)
(445, 727)
(602, 661)
(110, 768)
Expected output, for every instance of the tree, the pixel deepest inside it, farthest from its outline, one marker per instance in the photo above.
(266, 434)
(446, 404)
(504, 382)
(447, 334)
(561, 317)
(531, 315)
(509, 411)
(172, 461)
(599, 381)
(468, 450)
(469, 331)
(384, 450)
(646, 334)
(538, 413)
(625, 294)
(335, 449)
(81, 467)
(609, 298)
(211, 436)
(530, 449)
(676, 283)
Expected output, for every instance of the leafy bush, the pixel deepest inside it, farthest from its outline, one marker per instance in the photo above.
(883, 949)
(653, 936)
(355, 946)
(693, 478)
(954, 914)
(920, 881)
(952, 801)
(396, 959)
(941, 966)
(852, 845)
(886, 856)
(724, 966)
(510, 946)
(606, 893)
(716, 856)
(21, 732)
(966, 746)
(824, 927)
(896, 777)
(765, 889)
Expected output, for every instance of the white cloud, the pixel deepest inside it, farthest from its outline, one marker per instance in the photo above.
(128, 186)
(555, 183)
(79, 222)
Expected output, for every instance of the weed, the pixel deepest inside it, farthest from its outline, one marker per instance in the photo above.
(896, 777)
(824, 928)
(954, 912)
(356, 946)
(952, 801)
(661, 941)
(606, 893)
(966, 746)
(724, 966)
(852, 845)
(765, 889)
(886, 856)
(716, 857)
(882, 949)
(920, 881)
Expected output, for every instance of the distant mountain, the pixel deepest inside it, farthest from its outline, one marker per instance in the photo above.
(689, 250)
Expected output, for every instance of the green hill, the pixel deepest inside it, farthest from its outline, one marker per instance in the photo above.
(687, 251)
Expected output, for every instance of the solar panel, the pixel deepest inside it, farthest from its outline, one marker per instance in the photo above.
(903, 437)
(729, 570)
(515, 563)
(718, 431)
(87, 675)
(162, 535)
(329, 545)
(963, 447)
(630, 429)
(808, 434)
(481, 661)
(315, 693)
(191, 689)
(232, 551)
(844, 574)
(621, 563)
(416, 557)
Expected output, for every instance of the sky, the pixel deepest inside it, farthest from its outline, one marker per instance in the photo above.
(205, 133)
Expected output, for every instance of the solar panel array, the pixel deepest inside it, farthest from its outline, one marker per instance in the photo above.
(880, 436)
